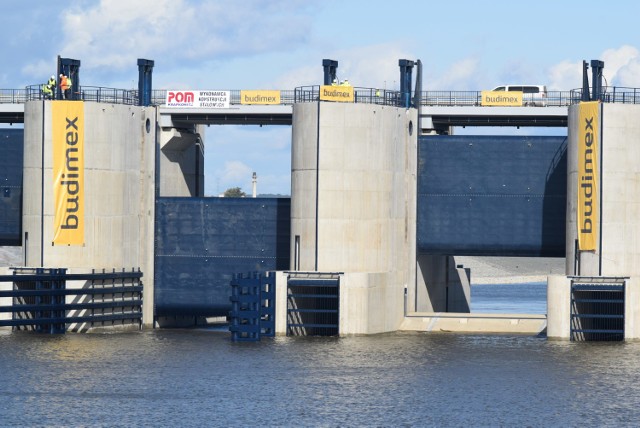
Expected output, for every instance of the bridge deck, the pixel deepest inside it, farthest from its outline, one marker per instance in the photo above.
(433, 117)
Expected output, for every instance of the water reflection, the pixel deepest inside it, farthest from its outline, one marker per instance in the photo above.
(178, 378)
(519, 298)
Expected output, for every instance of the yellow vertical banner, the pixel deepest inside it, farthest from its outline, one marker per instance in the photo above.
(68, 172)
(588, 209)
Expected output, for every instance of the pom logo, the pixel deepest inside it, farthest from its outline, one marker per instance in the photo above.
(180, 98)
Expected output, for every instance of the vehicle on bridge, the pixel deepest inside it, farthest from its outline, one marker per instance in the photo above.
(532, 95)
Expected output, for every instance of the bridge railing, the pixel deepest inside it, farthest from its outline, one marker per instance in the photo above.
(91, 93)
(474, 98)
(610, 94)
(613, 94)
(13, 96)
(360, 95)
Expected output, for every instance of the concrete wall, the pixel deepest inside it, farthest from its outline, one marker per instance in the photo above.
(442, 285)
(558, 307)
(353, 204)
(119, 147)
(449, 322)
(182, 161)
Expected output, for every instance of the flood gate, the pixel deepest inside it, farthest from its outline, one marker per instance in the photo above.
(597, 309)
(201, 243)
(11, 160)
(492, 195)
(313, 304)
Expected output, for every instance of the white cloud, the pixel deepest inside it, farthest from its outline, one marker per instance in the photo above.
(40, 70)
(114, 33)
(616, 60)
(302, 76)
(372, 66)
(629, 74)
(621, 68)
(233, 153)
(565, 76)
(234, 174)
(461, 75)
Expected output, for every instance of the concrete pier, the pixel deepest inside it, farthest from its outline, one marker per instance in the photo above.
(353, 206)
(616, 253)
(119, 178)
(182, 161)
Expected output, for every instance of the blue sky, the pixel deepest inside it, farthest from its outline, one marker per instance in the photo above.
(280, 44)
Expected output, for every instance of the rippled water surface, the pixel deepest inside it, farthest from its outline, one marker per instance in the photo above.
(201, 378)
(524, 298)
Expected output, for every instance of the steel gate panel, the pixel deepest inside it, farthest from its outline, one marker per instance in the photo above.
(201, 243)
(492, 196)
(313, 304)
(12, 146)
(597, 309)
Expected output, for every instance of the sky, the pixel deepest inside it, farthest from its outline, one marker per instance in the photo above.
(280, 44)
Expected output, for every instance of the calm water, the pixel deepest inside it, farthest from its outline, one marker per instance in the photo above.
(200, 378)
(527, 298)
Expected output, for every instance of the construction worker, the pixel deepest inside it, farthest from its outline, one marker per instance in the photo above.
(46, 92)
(64, 86)
(335, 82)
(345, 82)
(51, 85)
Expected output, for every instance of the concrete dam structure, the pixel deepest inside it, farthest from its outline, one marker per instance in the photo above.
(353, 214)
(367, 242)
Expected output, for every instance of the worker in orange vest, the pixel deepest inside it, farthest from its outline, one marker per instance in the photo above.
(64, 86)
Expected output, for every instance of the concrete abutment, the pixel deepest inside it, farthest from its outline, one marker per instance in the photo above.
(616, 254)
(119, 156)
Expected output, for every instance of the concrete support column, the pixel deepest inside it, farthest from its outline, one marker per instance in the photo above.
(281, 303)
(558, 307)
(617, 253)
(632, 309)
(119, 180)
(182, 162)
(353, 205)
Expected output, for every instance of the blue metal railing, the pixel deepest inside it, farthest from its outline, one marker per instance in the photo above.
(39, 299)
(611, 94)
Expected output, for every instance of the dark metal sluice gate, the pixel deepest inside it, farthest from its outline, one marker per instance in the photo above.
(313, 304)
(597, 309)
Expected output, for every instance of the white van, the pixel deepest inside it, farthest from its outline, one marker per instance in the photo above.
(532, 95)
